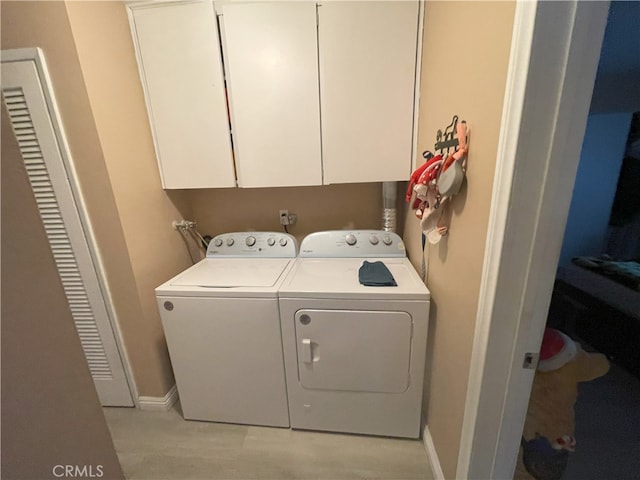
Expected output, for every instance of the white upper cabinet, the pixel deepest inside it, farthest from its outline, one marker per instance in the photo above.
(318, 92)
(180, 64)
(367, 53)
(270, 52)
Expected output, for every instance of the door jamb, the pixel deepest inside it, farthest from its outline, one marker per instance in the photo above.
(539, 150)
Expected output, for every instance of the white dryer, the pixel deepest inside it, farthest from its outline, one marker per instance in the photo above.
(222, 326)
(354, 354)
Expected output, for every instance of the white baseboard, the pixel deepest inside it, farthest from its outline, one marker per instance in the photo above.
(438, 474)
(159, 404)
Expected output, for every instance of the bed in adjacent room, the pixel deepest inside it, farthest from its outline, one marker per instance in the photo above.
(604, 296)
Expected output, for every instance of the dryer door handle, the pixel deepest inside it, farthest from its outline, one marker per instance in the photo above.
(306, 352)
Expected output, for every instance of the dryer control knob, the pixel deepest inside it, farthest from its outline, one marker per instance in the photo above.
(230, 241)
(250, 241)
(351, 239)
(373, 239)
(218, 242)
(283, 242)
(386, 240)
(271, 241)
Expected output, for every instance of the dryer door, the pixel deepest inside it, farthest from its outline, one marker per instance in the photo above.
(361, 351)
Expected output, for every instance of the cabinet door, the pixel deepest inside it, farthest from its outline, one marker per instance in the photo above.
(367, 82)
(272, 70)
(180, 63)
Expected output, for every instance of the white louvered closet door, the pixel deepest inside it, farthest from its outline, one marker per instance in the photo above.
(67, 232)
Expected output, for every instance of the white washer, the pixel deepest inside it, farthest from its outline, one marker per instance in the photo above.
(222, 325)
(354, 354)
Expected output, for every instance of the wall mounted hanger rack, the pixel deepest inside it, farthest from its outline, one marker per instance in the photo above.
(447, 139)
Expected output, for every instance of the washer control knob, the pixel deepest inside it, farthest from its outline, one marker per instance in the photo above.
(230, 241)
(373, 239)
(218, 242)
(386, 240)
(351, 239)
(250, 241)
(271, 241)
(283, 242)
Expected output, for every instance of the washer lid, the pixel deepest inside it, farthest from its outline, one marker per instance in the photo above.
(232, 272)
(338, 278)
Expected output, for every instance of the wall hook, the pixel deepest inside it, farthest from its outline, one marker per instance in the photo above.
(446, 140)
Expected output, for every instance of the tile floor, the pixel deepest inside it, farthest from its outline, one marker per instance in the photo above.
(161, 445)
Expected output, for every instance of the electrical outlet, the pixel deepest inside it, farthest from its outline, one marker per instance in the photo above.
(287, 218)
(284, 217)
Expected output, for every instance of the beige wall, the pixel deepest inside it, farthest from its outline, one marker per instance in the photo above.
(46, 25)
(331, 207)
(157, 252)
(463, 72)
(50, 410)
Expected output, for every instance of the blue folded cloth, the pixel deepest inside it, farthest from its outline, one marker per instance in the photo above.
(375, 274)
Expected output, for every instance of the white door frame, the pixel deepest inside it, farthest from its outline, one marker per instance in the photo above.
(553, 64)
